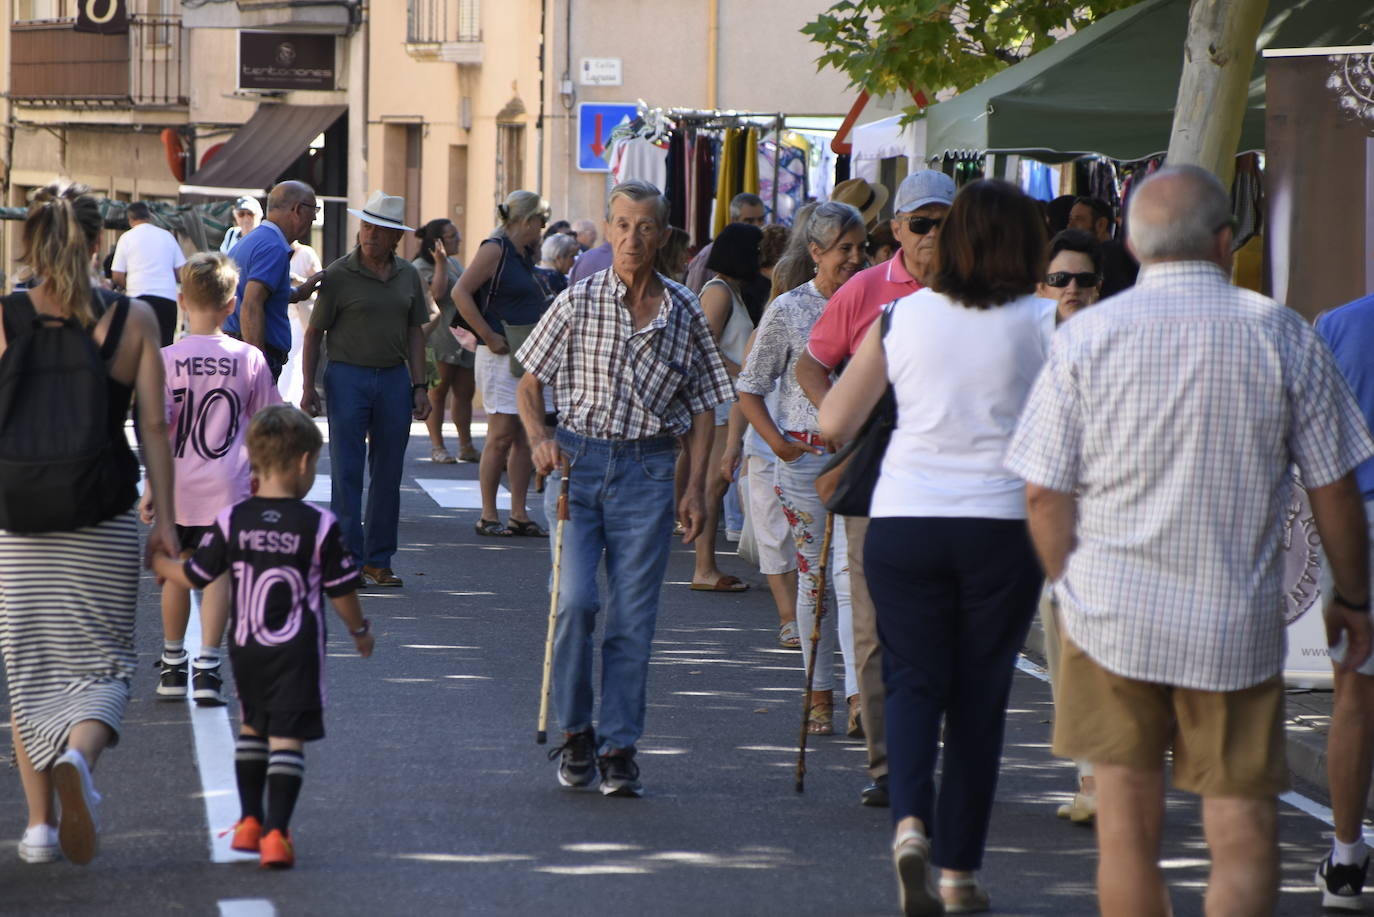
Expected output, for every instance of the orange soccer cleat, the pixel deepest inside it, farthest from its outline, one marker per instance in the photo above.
(276, 851)
(247, 834)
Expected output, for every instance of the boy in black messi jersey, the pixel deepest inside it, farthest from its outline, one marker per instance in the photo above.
(286, 555)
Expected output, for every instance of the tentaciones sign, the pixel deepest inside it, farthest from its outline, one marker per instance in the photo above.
(277, 60)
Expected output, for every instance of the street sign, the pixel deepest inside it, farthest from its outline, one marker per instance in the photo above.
(601, 71)
(595, 121)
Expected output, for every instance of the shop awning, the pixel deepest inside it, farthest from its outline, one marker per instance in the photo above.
(1111, 87)
(262, 149)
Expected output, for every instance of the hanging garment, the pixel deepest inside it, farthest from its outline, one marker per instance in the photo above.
(791, 171)
(751, 162)
(725, 181)
(704, 191)
(638, 159)
(676, 188)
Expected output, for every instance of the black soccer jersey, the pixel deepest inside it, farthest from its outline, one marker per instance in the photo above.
(285, 556)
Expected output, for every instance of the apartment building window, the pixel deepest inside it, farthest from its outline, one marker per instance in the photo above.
(443, 21)
(33, 10)
(510, 159)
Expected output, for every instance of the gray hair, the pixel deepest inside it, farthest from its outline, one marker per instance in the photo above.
(638, 192)
(1176, 213)
(742, 200)
(795, 266)
(519, 207)
(829, 222)
(558, 245)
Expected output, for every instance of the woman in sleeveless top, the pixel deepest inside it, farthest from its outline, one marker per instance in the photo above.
(453, 362)
(735, 259)
(500, 289)
(66, 621)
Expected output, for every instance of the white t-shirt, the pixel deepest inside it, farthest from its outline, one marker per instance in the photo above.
(961, 376)
(151, 257)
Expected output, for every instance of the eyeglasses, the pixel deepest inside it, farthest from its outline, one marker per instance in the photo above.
(311, 207)
(923, 225)
(1061, 279)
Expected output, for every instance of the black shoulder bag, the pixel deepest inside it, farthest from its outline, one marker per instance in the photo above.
(846, 483)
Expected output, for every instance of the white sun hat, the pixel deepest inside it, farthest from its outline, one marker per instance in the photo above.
(384, 210)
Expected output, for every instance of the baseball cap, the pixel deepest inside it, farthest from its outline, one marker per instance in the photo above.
(928, 186)
(248, 203)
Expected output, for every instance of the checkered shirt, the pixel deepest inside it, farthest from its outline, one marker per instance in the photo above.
(1174, 411)
(613, 382)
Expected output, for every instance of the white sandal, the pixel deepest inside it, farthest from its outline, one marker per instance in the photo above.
(915, 884)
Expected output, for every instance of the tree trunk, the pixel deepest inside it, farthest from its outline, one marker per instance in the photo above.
(1218, 57)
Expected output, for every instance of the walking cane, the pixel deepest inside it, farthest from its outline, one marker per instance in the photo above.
(542, 735)
(815, 639)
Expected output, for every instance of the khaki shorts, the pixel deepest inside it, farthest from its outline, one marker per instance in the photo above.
(1225, 743)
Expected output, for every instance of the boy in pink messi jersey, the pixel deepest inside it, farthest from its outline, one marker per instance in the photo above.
(215, 385)
(286, 556)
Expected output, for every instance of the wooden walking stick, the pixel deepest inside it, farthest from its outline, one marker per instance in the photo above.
(815, 639)
(542, 736)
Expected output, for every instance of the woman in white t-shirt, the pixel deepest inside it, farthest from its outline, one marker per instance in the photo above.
(950, 566)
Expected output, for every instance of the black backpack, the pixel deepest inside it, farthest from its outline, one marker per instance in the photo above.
(60, 467)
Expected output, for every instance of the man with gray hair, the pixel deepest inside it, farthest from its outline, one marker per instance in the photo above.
(1156, 446)
(744, 208)
(584, 231)
(633, 367)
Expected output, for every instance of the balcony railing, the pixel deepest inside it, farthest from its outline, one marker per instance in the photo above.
(443, 21)
(53, 64)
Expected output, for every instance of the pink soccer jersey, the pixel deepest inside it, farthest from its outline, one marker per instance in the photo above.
(215, 384)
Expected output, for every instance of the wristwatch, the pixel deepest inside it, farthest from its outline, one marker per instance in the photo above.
(419, 386)
(362, 631)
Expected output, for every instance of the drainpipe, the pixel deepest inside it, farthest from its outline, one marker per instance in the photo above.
(712, 51)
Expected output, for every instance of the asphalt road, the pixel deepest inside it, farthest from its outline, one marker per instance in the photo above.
(429, 795)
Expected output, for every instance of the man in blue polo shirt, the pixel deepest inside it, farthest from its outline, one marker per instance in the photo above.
(1349, 332)
(264, 260)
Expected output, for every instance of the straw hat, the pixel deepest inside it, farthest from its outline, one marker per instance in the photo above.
(863, 196)
(384, 210)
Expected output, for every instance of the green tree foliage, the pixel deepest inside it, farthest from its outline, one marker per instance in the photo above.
(896, 46)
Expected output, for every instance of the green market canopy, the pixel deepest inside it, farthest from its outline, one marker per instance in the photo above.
(1110, 88)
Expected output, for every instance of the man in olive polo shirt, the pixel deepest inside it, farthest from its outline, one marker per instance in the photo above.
(371, 306)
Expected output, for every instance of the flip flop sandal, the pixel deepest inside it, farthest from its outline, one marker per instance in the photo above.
(788, 636)
(726, 583)
(492, 528)
(469, 454)
(973, 898)
(440, 456)
(526, 529)
(915, 885)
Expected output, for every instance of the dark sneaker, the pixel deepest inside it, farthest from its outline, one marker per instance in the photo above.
(207, 685)
(875, 794)
(1341, 883)
(620, 775)
(171, 684)
(577, 760)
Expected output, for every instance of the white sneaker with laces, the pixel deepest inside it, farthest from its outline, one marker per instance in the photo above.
(79, 825)
(39, 845)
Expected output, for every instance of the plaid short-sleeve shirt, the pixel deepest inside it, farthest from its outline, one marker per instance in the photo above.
(1174, 411)
(613, 382)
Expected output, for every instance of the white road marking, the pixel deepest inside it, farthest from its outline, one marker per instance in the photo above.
(247, 907)
(451, 494)
(1298, 801)
(214, 741)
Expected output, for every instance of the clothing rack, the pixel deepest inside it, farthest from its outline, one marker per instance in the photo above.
(709, 119)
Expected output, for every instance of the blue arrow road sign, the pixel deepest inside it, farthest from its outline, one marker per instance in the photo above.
(595, 121)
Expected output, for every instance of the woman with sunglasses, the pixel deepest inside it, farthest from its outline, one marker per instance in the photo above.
(949, 561)
(1074, 276)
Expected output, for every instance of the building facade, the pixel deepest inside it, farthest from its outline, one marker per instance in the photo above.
(450, 103)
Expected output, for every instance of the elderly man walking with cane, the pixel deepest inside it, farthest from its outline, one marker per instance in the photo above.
(633, 367)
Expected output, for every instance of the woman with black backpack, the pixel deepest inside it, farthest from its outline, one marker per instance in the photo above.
(71, 357)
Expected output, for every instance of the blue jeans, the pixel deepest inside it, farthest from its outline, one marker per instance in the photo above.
(620, 505)
(368, 403)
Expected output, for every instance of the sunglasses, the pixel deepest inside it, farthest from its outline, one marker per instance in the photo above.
(1060, 279)
(923, 225)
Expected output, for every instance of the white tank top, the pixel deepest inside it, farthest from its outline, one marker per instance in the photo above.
(735, 336)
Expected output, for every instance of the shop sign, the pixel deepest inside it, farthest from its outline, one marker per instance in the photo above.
(281, 60)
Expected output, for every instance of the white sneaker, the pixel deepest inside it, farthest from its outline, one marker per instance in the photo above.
(79, 825)
(732, 536)
(39, 845)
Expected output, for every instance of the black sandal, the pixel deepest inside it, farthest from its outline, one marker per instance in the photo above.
(492, 529)
(526, 529)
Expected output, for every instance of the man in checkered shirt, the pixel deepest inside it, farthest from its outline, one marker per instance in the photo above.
(633, 367)
(1156, 446)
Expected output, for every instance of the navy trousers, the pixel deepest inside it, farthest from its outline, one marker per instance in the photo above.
(954, 598)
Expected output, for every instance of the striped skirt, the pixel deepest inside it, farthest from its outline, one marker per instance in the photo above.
(67, 629)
